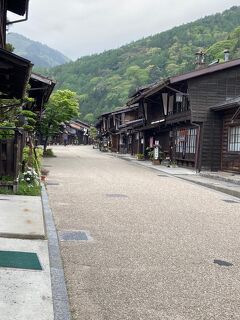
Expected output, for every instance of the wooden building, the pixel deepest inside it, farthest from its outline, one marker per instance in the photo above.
(74, 132)
(125, 136)
(105, 128)
(184, 115)
(78, 132)
(14, 76)
(229, 114)
(14, 70)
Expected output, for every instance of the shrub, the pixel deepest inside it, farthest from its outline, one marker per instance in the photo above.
(26, 189)
(140, 156)
(48, 153)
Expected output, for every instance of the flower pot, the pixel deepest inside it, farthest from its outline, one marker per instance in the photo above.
(156, 162)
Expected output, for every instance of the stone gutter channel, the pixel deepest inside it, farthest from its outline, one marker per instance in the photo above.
(59, 291)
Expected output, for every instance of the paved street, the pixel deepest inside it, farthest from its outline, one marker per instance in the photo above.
(152, 245)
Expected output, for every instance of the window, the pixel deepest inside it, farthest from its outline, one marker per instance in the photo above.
(181, 104)
(234, 139)
(186, 140)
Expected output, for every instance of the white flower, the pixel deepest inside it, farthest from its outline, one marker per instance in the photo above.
(28, 179)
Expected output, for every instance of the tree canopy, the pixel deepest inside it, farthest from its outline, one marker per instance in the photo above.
(63, 105)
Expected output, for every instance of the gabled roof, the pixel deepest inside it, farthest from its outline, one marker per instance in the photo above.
(142, 89)
(83, 124)
(205, 71)
(76, 126)
(41, 88)
(17, 6)
(150, 91)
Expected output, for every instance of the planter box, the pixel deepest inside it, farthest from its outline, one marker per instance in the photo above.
(11, 185)
(156, 162)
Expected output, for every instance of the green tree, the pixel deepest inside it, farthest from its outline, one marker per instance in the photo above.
(62, 106)
(93, 133)
(89, 118)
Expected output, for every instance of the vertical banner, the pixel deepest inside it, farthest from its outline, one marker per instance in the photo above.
(165, 102)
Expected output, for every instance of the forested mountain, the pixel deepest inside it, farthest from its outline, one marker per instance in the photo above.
(40, 54)
(104, 81)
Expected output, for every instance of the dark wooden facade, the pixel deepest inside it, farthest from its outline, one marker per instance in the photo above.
(205, 92)
(230, 159)
(3, 10)
(11, 146)
(14, 70)
(229, 113)
(177, 115)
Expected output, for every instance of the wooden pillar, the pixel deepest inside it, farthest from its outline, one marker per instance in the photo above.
(139, 142)
(144, 143)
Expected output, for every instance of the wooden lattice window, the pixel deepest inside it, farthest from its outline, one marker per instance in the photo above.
(234, 139)
(186, 140)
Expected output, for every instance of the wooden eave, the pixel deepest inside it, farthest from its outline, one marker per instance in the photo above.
(83, 124)
(126, 109)
(75, 126)
(132, 123)
(14, 74)
(19, 7)
(205, 71)
(178, 117)
(154, 89)
(228, 104)
(41, 88)
(183, 77)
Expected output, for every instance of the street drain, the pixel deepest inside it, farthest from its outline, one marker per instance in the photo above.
(162, 175)
(4, 199)
(223, 263)
(74, 235)
(116, 195)
(231, 201)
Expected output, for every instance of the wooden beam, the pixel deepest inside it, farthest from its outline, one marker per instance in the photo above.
(236, 114)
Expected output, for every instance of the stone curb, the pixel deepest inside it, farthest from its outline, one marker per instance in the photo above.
(59, 290)
(219, 178)
(22, 236)
(230, 192)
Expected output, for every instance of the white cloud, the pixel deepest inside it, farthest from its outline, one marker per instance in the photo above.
(81, 27)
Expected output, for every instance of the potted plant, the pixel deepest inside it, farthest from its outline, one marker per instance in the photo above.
(140, 156)
(44, 173)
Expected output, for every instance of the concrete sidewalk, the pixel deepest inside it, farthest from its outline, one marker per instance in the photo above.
(26, 294)
(21, 217)
(25, 291)
(228, 183)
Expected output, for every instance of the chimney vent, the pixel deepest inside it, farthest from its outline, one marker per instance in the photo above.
(226, 55)
(200, 59)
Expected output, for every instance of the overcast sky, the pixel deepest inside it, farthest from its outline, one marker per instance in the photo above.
(82, 27)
